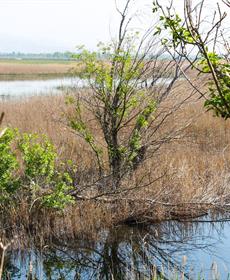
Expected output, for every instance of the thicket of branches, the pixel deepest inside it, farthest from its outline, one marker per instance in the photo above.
(126, 90)
(203, 42)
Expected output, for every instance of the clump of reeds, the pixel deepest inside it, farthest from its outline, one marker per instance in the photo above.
(34, 68)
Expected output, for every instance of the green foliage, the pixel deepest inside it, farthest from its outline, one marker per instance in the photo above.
(28, 165)
(8, 164)
(142, 122)
(115, 99)
(134, 145)
(81, 128)
(142, 119)
(59, 198)
(155, 7)
(208, 63)
(179, 33)
(214, 59)
(219, 98)
(100, 72)
(38, 156)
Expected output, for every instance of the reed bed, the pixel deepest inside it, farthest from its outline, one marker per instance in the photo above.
(192, 171)
(29, 68)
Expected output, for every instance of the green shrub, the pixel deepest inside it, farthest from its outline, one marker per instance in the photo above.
(37, 175)
(59, 198)
(8, 164)
(38, 156)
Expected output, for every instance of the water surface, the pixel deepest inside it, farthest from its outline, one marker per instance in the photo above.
(23, 88)
(17, 89)
(172, 249)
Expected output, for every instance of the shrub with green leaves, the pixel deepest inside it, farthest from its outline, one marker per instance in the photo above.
(8, 164)
(38, 156)
(188, 39)
(28, 165)
(59, 196)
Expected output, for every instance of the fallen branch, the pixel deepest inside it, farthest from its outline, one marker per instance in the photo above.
(148, 201)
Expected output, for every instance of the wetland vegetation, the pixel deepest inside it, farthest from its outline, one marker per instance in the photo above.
(120, 171)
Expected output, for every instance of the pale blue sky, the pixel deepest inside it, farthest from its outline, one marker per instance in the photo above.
(59, 25)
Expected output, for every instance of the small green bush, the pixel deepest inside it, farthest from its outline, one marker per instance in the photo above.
(38, 156)
(28, 165)
(59, 197)
(8, 164)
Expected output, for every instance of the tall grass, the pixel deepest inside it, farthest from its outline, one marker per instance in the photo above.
(193, 171)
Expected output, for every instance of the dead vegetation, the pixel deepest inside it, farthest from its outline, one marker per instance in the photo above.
(186, 177)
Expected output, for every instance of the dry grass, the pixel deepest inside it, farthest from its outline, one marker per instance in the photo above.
(195, 167)
(29, 68)
(44, 115)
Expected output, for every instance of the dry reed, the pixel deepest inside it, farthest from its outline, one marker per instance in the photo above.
(13, 68)
(195, 167)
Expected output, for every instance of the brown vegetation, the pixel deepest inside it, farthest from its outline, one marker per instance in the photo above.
(189, 175)
(27, 68)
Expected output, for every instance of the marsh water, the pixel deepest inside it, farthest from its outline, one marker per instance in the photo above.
(13, 88)
(16, 89)
(172, 250)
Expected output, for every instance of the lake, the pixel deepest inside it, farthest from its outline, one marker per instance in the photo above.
(12, 89)
(17, 89)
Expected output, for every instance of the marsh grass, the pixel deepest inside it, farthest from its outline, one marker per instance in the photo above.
(192, 171)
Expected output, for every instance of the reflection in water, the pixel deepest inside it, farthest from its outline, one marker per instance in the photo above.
(126, 253)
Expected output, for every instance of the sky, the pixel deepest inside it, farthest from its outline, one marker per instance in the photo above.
(56, 25)
(61, 25)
